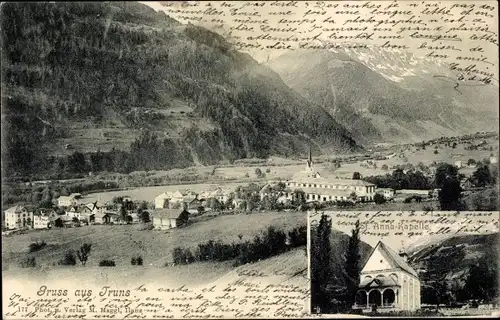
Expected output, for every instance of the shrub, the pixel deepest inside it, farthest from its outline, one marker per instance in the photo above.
(408, 200)
(107, 263)
(379, 199)
(178, 256)
(136, 261)
(36, 246)
(68, 259)
(28, 262)
(83, 253)
(271, 243)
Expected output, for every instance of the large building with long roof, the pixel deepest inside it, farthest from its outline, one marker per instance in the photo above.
(321, 188)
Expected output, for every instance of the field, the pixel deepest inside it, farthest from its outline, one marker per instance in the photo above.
(427, 156)
(122, 242)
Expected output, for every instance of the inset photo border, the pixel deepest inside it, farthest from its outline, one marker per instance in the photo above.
(404, 263)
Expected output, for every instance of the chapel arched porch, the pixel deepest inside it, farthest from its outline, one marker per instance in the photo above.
(376, 298)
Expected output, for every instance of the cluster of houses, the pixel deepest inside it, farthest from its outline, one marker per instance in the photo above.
(71, 212)
(172, 209)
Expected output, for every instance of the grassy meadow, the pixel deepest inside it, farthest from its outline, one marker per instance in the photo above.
(121, 242)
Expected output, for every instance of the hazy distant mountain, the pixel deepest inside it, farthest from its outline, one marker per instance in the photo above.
(388, 96)
(83, 76)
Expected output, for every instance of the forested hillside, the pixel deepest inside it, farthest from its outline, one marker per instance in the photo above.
(459, 268)
(144, 90)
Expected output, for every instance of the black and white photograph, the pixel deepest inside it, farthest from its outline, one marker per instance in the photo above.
(374, 265)
(185, 144)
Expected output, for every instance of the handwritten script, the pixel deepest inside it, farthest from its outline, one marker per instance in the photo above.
(462, 36)
(252, 294)
(412, 224)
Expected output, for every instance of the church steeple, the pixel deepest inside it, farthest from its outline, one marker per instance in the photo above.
(310, 156)
(309, 165)
(402, 252)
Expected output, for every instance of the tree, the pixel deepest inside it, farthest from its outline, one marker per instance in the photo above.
(482, 280)
(352, 263)
(482, 176)
(471, 162)
(321, 265)
(353, 196)
(385, 167)
(356, 176)
(441, 292)
(450, 194)
(77, 163)
(259, 173)
(443, 172)
(83, 253)
(379, 199)
(144, 216)
(96, 161)
(299, 197)
(58, 223)
(123, 213)
(117, 200)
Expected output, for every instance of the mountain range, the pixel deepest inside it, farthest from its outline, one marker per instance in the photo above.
(89, 76)
(384, 95)
(97, 75)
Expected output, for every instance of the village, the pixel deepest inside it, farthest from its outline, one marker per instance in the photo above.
(307, 189)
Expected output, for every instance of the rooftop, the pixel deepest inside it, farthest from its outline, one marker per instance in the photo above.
(168, 213)
(378, 282)
(394, 259)
(330, 181)
(15, 209)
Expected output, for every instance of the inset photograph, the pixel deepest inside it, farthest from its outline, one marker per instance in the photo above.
(371, 264)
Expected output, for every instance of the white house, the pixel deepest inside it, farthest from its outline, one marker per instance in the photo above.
(388, 193)
(74, 212)
(169, 218)
(18, 217)
(66, 201)
(41, 221)
(162, 200)
(221, 195)
(388, 282)
(182, 197)
(458, 164)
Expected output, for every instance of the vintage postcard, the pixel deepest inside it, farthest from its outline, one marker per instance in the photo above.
(411, 263)
(162, 159)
